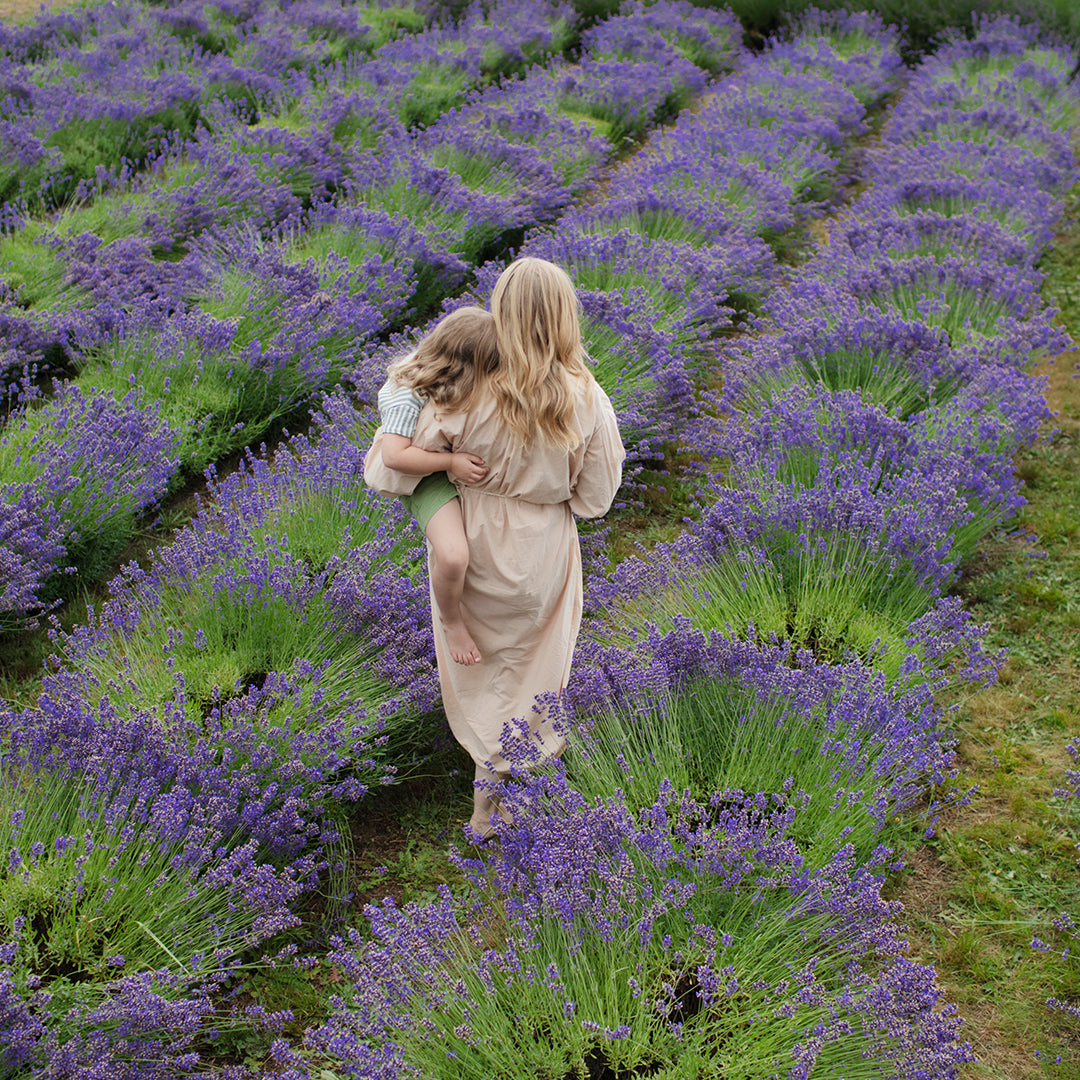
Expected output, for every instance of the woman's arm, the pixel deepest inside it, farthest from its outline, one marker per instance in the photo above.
(399, 453)
(601, 471)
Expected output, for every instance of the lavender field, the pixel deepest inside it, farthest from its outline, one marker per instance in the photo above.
(811, 285)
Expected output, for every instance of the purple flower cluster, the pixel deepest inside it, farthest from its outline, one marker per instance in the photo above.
(667, 32)
(1072, 776)
(169, 842)
(77, 471)
(119, 1024)
(115, 87)
(251, 548)
(185, 815)
(274, 133)
(672, 47)
(853, 49)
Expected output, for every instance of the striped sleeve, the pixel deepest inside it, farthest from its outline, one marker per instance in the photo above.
(399, 408)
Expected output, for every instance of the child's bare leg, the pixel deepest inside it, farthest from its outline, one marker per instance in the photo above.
(450, 550)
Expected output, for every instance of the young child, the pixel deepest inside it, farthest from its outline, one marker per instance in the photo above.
(444, 368)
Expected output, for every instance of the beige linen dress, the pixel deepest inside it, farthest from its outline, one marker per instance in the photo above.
(523, 589)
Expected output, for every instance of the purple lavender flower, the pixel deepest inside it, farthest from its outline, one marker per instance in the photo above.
(79, 471)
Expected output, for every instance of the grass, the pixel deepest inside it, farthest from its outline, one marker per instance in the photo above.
(401, 835)
(26, 9)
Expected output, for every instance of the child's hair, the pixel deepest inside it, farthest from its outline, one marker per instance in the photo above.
(538, 325)
(451, 361)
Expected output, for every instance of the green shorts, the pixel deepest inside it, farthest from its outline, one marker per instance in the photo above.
(432, 493)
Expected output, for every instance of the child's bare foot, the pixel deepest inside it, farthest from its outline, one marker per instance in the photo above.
(461, 645)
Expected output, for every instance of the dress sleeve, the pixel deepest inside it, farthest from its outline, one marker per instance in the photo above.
(593, 489)
(429, 435)
(435, 430)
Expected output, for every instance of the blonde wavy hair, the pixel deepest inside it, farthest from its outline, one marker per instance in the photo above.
(538, 328)
(451, 362)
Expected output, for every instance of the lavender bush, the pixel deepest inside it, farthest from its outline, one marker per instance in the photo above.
(702, 711)
(77, 472)
(639, 940)
(295, 569)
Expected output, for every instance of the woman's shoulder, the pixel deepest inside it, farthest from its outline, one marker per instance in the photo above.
(583, 382)
(589, 395)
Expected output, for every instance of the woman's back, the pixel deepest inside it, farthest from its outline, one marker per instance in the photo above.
(539, 473)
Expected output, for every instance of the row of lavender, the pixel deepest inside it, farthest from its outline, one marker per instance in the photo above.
(870, 438)
(205, 299)
(91, 95)
(231, 649)
(696, 887)
(304, 124)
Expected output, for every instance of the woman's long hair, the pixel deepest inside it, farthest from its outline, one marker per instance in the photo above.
(538, 327)
(450, 363)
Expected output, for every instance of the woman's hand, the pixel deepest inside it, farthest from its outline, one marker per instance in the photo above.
(468, 468)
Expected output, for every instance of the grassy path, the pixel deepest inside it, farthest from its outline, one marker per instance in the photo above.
(1001, 869)
(23, 9)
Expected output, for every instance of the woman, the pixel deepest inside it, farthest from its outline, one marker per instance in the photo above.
(547, 433)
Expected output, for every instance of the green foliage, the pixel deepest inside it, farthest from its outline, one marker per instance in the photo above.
(835, 597)
(32, 268)
(382, 25)
(926, 22)
(468, 234)
(434, 89)
(215, 405)
(111, 216)
(85, 145)
(234, 636)
(857, 368)
(720, 736)
(102, 887)
(623, 129)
